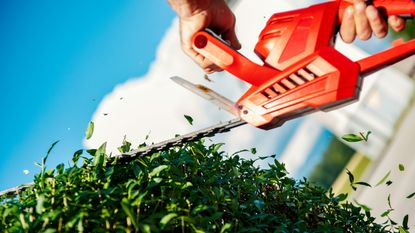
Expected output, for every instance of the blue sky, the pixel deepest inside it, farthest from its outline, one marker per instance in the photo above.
(58, 60)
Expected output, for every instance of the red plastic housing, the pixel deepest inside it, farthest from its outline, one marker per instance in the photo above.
(302, 72)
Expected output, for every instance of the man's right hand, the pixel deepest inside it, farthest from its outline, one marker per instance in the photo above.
(362, 20)
(197, 15)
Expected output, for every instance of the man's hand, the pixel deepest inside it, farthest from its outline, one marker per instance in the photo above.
(196, 16)
(361, 20)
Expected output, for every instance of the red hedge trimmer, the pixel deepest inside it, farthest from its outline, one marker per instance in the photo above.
(302, 72)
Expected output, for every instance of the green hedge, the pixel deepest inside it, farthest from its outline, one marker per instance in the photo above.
(193, 188)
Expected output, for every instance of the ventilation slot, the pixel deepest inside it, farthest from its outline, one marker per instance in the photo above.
(306, 74)
(266, 94)
(280, 89)
(302, 76)
(297, 79)
(272, 35)
(281, 20)
(275, 91)
(269, 93)
(286, 82)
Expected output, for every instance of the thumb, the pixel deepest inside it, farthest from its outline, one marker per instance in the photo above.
(230, 36)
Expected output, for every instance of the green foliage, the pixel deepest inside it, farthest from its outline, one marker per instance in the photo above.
(389, 224)
(410, 195)
(381, 181)
(189, 119)
(192, 188)
(89, 130)
(357, 137)
(353, 183)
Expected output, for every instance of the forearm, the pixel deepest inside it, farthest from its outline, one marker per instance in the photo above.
(187, 8)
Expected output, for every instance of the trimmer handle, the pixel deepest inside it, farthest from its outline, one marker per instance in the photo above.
(219, 52)
(402, 8)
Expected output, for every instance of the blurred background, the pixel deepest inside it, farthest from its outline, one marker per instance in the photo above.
(65, 64)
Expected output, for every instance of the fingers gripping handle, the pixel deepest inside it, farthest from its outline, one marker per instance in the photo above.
(217, 51)
(403, 8)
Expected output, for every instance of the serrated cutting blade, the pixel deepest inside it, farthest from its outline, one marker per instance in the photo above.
(208, 94)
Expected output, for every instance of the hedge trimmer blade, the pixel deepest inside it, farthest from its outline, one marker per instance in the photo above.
(179, 140)
(208, 94)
